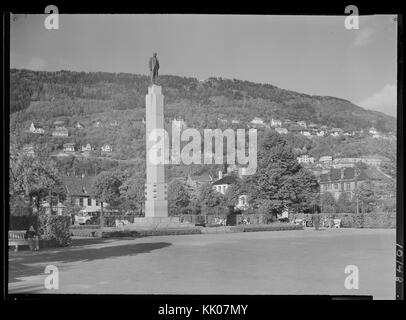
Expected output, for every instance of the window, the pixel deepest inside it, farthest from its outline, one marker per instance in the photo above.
(335, 185)
(81, 202)
(325, 187)
(97, 202)
(89, 201)
(347, 186)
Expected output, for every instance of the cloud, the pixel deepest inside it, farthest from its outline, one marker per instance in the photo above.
(385, 100)
(363, 36)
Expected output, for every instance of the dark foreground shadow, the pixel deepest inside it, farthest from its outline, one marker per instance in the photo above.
(24, 265)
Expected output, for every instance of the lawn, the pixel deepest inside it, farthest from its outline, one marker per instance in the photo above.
(288, 262)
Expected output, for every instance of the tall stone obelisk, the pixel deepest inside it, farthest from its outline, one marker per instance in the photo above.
(156, 203)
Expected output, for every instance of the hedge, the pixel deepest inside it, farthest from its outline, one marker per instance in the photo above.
(146, 233)
(352, 220)
(268, 227)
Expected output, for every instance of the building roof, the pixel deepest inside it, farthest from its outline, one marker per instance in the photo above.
(349, 174)
(230, 179)
(204, 177)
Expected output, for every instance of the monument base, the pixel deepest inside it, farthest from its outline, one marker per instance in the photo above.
(156, 208)
(158, 222)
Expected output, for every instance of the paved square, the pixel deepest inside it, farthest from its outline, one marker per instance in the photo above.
(278, 262)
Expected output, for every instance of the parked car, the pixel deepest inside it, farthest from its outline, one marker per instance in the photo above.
(86, 218)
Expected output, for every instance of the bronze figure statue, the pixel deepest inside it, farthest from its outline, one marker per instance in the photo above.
(153, 68)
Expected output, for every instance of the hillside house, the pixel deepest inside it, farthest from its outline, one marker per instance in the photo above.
(305, 133)
(60, 132)
(282, 130)
(276, 123)
(179, 124)
(87, 148)
(114, 123)
(302, 124)
(28, 150)
(325, 159)
(79, 126)
(373, 131)
(235, 121)
(258, 122)
(107, 148)
(36, 128)
(320, 133)
(69, 147)
(305, 159)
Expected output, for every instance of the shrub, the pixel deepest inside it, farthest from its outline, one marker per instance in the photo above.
(55, 228)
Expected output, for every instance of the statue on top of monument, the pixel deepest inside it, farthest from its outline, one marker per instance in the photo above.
(153, 68)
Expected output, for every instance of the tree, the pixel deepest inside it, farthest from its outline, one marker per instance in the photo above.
(327, 203)
(367, 196)
(33, 179)
(132, 194)
(106, 188)
(209, 199)
(344, 204)
(279, 177)
(178, 197)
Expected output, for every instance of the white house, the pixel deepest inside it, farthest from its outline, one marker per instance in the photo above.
(114, 123)
(107, 148)
(235, 121)
(281, 130)
(221, 185)
(335, 134)
(69, 147)
(325, 159)
(87, 148)
(276, 123)
(36, 128)
(257, 121)
(79, 125)
(179, 123)
(302, 124)
(28, 150)
(60, 132)
(305, 133)
(305, 159)
(320, 133)
(372, 130)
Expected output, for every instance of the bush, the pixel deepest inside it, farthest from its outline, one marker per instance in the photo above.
(55, 228)
(146, 233)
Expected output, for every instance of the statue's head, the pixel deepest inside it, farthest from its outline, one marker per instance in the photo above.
(154, 54)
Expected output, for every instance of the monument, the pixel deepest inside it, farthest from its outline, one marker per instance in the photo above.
(156, 203)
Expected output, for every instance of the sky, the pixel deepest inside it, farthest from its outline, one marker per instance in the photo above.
(310, 54)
